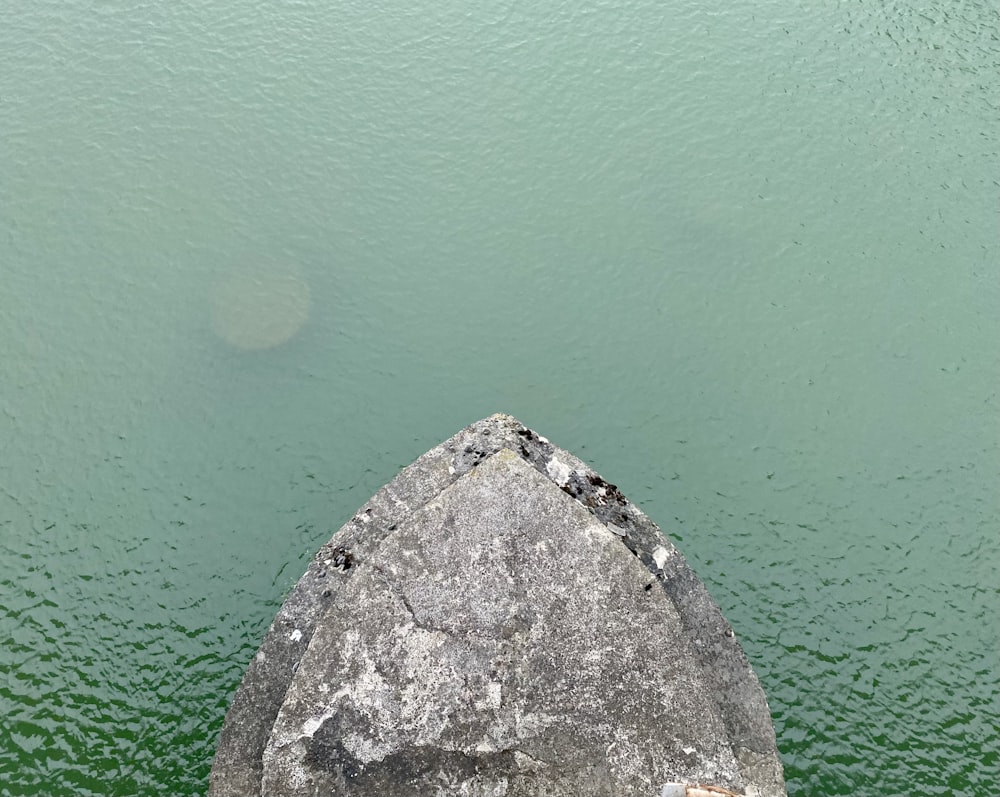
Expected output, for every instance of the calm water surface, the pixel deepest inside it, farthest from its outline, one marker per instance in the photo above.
(742, 258)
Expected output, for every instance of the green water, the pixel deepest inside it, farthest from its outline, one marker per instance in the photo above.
(743, 258)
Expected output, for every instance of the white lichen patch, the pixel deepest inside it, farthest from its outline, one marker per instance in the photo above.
(558, 471)
(494, 695)
(313, 724)
(661, 556)
(525, 763)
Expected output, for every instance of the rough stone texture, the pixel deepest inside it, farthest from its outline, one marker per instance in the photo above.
(502, 622)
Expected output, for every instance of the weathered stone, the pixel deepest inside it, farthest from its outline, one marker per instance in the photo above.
(498, 620)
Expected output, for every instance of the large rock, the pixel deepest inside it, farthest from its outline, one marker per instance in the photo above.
(497, 620)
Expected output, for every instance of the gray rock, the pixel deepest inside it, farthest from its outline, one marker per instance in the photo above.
(497, 620)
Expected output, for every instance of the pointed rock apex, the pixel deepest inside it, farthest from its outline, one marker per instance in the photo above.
(498, 620)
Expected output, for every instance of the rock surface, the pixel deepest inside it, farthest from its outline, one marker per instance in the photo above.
(497, 620)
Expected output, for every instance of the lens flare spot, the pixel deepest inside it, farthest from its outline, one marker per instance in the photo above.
(260, 307)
